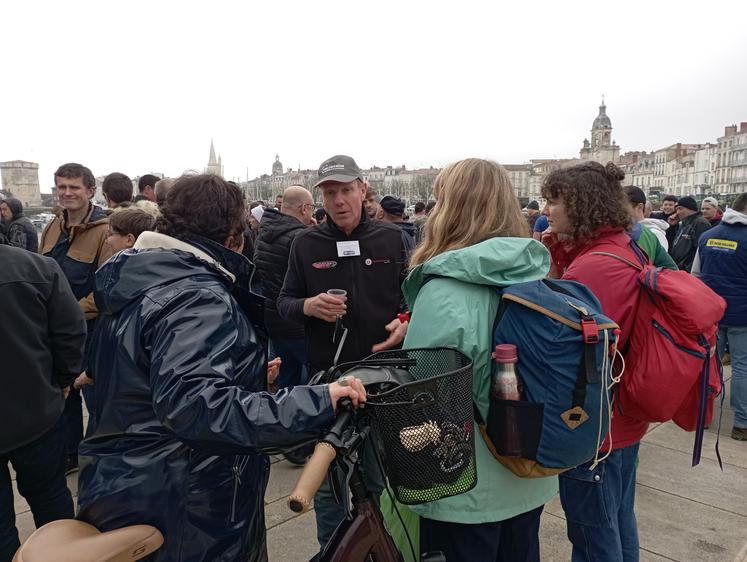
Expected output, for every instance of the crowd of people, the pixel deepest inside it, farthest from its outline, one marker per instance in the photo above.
(171, 312)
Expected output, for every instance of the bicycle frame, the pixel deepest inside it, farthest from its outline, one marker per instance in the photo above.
(364, 537)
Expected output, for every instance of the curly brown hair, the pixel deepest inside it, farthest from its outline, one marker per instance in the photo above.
(204, 205)
(593, 197)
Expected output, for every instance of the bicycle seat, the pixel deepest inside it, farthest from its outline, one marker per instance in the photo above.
(70, 540)
(385, 376)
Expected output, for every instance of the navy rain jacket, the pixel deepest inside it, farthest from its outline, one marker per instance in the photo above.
(181, 404)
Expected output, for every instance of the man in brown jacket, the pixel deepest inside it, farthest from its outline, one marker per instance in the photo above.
(76, 240)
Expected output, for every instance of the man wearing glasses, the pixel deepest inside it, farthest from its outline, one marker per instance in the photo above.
(279, 229)
(345, 274)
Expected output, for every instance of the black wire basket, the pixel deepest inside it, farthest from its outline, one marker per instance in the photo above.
(424, 429)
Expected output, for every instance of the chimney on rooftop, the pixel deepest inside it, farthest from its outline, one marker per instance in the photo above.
(743, 127)
(729, 131)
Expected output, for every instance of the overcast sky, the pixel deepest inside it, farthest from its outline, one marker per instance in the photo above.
(142, 87)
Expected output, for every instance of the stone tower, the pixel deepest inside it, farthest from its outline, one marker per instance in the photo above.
(22, 180)
(277, 166)
(215, 165)
(602, 148)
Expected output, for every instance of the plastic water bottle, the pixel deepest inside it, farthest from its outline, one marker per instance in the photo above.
(506, 387)
(505, 381)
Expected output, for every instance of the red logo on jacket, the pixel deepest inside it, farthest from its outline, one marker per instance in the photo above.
(324, 264)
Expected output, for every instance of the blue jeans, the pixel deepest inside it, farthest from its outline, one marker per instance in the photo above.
(40, 475)
(329, 513)
(513, 540)
(736, 338)
(293, 353)
(599, 508)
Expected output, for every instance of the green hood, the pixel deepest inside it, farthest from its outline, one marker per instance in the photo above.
(497, 261)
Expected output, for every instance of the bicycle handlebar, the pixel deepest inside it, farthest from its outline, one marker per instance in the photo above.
(314, 473)
(316, 468)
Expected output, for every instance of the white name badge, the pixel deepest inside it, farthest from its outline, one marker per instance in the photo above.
(348, 249)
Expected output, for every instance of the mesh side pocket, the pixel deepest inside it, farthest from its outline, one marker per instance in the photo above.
(515, 427)
(424, 429)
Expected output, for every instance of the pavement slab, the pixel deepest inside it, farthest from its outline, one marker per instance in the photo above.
(294, 541)
(669, 471)
(672, 437)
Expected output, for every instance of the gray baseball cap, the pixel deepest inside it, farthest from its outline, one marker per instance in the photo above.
(339, 168)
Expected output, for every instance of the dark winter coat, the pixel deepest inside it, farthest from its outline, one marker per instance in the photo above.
(80, 251)
(21, 232)
(686, 240)
(409, 232)
(42, 335)
(722, 253)
(181, 404)
(271, 253)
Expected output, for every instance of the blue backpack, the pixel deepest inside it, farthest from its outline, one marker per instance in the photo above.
(566, 348)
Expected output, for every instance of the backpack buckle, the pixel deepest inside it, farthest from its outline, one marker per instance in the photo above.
(590, 330)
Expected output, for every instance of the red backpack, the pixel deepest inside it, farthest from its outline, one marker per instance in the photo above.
(672, 370)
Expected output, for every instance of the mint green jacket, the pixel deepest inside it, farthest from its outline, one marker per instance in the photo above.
(458, 309)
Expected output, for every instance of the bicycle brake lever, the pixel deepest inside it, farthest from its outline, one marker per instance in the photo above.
(346, 467)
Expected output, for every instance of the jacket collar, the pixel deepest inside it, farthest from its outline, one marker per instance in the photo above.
(94, 216)
(237, 265)
(691, 219)
(157, 240)
(362, 225)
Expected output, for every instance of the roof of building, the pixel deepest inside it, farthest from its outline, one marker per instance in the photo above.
(602, 121)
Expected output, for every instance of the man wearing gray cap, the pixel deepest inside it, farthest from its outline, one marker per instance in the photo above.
(366, 259)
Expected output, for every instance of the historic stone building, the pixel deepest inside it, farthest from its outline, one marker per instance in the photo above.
(602, 148)
(21, 179)
(267, 186)
(215, 165)
(731, 163)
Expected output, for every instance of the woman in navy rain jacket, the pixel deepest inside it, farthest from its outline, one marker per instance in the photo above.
(182, 413)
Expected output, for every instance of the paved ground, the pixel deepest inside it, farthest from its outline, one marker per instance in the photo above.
(684, 514)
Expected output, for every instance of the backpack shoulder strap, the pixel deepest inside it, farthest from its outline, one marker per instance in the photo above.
(620, 258)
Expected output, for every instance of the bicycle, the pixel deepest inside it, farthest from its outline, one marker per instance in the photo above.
(362, 535)
(426, 429)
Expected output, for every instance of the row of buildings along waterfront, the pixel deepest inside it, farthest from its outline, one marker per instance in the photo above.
(716, 168)
(713, 168)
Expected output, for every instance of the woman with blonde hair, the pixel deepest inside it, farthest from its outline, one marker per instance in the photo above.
(476, 239)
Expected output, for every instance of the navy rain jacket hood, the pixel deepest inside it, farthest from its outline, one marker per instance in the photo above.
(182, 413)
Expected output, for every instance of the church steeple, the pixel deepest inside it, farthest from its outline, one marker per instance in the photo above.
(211, 159)
(215, 165)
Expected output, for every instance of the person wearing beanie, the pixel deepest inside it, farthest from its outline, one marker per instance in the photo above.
(533, 213)
(691, 226)
(711, 211)
(393, 209)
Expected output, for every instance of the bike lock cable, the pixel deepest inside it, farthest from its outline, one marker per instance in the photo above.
(394, 503)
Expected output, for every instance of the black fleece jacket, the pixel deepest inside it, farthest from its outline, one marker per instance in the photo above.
(372, 280)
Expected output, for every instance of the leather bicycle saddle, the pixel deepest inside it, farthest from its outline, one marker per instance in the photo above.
(69, 540)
